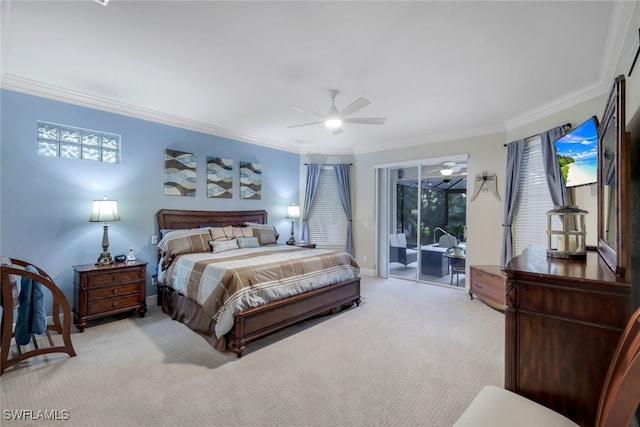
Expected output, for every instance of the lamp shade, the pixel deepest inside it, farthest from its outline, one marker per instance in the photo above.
(104, 211)
(293, 211)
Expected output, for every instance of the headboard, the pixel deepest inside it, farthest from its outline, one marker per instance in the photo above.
(172, 219)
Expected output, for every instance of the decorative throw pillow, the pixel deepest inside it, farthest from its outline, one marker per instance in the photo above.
(242, 232)
(248, 242)
(223, 245)
(179, 242)
(221, 233)
(266, 234)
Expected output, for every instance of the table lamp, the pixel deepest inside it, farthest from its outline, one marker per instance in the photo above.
(293, 212)
(105, 211)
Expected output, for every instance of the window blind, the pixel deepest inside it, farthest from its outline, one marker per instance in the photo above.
(533, 201)
(327, 222)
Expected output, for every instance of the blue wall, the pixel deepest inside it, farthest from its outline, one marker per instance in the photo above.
(45, 202)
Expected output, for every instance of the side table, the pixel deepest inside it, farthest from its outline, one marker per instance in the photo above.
(103, 290)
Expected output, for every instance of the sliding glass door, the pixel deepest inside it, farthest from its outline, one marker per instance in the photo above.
(426, 212)
(404, 227)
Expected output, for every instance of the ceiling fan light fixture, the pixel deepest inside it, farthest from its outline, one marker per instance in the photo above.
(333, 122)
(446, 172)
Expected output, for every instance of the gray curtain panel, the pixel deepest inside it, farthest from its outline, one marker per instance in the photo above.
(344, 189)
(313, 178)
(552, 170)
(515, 152)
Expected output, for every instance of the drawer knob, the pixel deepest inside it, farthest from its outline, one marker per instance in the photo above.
(116, 290)
(115, 304)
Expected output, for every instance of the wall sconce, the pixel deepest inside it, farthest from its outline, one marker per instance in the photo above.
(105, 211)
(293, 212)
(569, 240)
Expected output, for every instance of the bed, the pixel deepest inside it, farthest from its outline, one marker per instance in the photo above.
(281, 285)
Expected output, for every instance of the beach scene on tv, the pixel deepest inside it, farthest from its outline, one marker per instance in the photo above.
(578, 154)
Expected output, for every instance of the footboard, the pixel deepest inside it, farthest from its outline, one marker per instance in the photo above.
(257, 322)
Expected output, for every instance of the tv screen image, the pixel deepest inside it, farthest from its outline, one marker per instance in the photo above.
(577, 153)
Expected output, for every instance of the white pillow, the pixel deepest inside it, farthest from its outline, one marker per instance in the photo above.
(223, 245)
(402, 240)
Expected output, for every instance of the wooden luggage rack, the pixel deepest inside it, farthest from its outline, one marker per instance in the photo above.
(60, 304)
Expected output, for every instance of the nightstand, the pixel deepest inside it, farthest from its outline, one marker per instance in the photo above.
(103, 290)
(306, 245)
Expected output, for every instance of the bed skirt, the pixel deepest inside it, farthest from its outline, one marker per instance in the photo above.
(188, 312)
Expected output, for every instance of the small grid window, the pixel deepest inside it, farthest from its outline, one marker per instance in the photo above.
(76, 143)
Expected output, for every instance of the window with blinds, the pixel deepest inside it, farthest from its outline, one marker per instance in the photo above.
(533, 201)
(327, 222)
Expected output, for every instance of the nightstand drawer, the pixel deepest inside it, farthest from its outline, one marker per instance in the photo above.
(114, 291)
(110, 277)
(101, 306)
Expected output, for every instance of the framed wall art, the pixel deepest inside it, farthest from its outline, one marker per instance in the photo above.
(179, 173)
(219, 178)
(250, 180)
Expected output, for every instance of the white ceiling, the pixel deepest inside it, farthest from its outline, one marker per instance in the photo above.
(435, 70)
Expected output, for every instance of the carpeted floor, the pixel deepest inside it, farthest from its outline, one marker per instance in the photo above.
(410, 355)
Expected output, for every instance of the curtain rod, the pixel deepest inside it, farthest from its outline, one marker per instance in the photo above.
(566, 125)
(328, 164)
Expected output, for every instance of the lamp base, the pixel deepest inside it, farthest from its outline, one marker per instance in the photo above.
(104, 259)
(292, 240)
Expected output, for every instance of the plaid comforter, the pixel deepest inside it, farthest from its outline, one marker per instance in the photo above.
(228, 282)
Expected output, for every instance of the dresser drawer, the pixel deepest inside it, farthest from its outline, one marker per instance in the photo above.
(104, 305)
(488, 283)
(114, 291)
(110, 277)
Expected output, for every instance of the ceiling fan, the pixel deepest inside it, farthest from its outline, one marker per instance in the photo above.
(334, 119)
(448, 168)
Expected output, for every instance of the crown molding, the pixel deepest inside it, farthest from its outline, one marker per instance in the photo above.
(557, 105)
(619, 24)
(36, 88)
(416, 140)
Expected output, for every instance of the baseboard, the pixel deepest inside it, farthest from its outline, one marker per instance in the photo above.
(367, 272)
(152, 299)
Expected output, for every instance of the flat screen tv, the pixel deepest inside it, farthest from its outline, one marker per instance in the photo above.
(577, 153)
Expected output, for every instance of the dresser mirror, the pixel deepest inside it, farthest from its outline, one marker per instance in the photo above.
(613, 179)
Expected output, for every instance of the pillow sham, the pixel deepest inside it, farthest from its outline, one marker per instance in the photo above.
(179, 242)
(242, 232)
(221, 233)
(266, 234)
(248, 242)
(223, 245)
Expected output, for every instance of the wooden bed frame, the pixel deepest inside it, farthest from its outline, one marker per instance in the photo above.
(254, 323)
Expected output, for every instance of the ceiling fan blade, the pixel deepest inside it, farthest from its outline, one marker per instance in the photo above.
(356, 105)
(336, 131)
(304, 110)
(366, 121)
(304, 124)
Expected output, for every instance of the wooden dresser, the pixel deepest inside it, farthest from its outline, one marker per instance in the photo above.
(563, 321)
(101, 291)
(487, 283)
